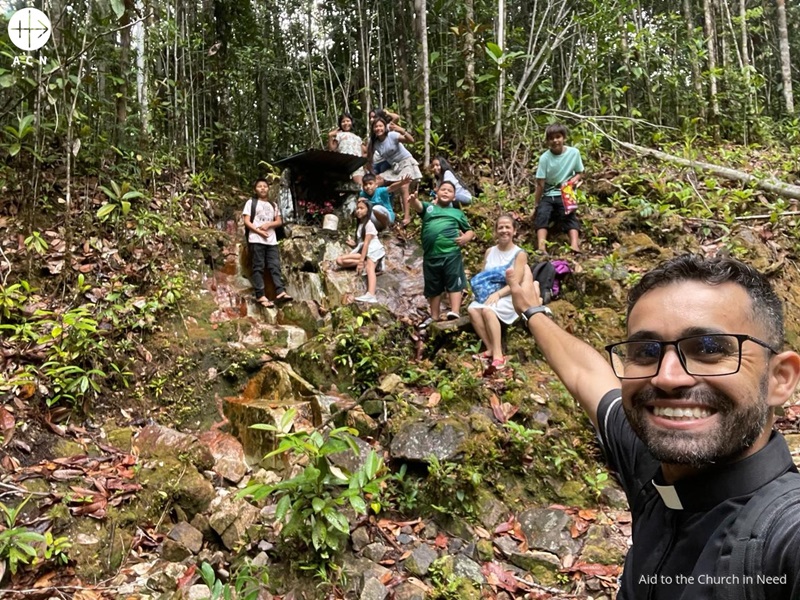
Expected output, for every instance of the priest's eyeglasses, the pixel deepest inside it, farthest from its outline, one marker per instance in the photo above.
(704, 355)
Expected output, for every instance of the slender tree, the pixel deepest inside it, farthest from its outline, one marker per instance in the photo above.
(786, 60)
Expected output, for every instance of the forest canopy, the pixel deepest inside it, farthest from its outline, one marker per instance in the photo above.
(226, 84)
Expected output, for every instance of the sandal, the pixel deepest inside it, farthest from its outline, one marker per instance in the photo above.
(498, 364)
(283, 297)
(265, 302)
(486, 356)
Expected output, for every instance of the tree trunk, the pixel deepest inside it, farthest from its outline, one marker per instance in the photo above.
(711, 47)
(696, 78)
(139, 34)
(309, 59)
(745, 50)
(124, 70)
(767, 184)
(363, 58)
(786, 60)
(501, 83)
(469, 64)
(422, 28)
(402, 62)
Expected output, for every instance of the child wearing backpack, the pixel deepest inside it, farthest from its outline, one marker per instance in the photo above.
(261, 218)
(368, 251)
(561, 165)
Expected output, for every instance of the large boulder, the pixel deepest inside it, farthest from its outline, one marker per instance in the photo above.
(266, 398)
(421, 439)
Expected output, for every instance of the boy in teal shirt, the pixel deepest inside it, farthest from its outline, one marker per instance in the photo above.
(445, 230)
(556, 166)
(382, 212)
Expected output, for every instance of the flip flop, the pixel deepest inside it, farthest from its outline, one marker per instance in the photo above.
(284, 297)
(265, 302)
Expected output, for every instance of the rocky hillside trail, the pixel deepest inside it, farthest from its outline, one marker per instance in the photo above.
(384, 463)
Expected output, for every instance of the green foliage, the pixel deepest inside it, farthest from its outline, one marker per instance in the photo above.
(36, 242)
(521, 441)
(22, 546)
(360, 350)
(119, 201)
(19, 135)
(310, 504)
(453, 487)
(246, 583)
(13, 298)
(402, 492)
(80, 359)
(446, 584)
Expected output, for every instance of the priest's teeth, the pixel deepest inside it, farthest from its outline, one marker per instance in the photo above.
(681, 413)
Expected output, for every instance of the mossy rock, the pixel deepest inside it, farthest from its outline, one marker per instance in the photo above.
(171, 479)
(601, 548)
(98, 548)
(121, 438)
(66, 448)
(574, 493)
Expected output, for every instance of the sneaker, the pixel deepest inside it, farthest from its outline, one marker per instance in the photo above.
(452, 316)
(425, 323)
(367, 298)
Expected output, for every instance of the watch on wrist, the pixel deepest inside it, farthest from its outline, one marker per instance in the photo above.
(533, 310)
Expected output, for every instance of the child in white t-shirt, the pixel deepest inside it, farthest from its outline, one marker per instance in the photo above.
(368, 251)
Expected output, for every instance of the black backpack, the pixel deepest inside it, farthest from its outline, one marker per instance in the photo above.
(545, 273)
(742, 551)
(280, 232)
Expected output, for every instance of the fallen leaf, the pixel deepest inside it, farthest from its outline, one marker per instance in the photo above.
(25, 391)
(9, 463)
(7, 424)
(441, 540)
(578, 527)
(45, 580)
(96, 510)
(55, 267)
(502, 411)
(588, 514)
(66, 474)
(187, 577)
(386, 576)
(434, 399)
(497, 576)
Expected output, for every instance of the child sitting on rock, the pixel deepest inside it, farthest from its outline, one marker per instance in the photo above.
(368, 252)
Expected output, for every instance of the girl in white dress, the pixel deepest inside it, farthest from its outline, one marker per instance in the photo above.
(368, 251)
(486, 316)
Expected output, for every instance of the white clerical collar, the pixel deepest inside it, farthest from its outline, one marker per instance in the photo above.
(669, 495)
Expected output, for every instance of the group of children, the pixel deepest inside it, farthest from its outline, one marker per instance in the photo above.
(445, 228)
